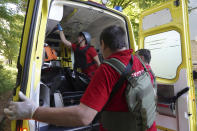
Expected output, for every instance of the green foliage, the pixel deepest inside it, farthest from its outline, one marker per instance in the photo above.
(145, 4)
(133, 12)
(123, 3)
(11, 24)
(142, 4)
(7, 79)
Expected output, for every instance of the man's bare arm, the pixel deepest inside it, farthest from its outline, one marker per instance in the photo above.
(96, 58)
(79, 115)
(64, 40)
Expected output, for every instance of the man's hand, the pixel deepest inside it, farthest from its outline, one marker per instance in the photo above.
(59, 27)
(21, 110)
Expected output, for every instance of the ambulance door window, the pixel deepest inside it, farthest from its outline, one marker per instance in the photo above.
(165, 48)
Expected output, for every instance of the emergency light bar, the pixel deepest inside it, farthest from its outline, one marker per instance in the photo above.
(119, 8)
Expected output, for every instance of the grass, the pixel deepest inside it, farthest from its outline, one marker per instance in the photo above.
(7, 78)
(195, 93)
(195, 84)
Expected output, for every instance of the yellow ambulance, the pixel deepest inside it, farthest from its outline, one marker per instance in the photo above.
(164, 30)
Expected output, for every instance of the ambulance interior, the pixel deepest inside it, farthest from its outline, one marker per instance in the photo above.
(60, 85)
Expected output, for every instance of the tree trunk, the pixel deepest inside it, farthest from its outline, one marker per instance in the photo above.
(10, 61)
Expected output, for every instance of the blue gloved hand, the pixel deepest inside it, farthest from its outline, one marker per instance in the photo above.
(59, 27)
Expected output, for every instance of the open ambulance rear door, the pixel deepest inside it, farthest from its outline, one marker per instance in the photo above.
(30, 55)
(164, 30)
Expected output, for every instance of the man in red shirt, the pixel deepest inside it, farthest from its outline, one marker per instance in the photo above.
(145, 55)
(113, 45)
(85, 56)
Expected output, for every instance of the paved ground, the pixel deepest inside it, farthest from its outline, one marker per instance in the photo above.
(4, 122)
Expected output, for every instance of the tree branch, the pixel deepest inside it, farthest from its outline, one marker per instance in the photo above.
(126, 4)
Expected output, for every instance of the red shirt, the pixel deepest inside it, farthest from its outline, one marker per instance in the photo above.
(98, 90)
(90, 54)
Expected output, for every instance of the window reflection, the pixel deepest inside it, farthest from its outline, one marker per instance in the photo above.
(166, 53)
